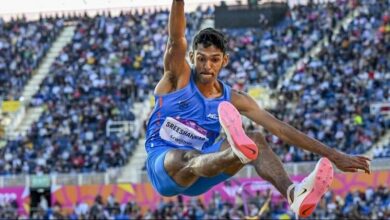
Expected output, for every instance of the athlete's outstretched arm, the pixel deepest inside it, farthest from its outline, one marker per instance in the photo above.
(249, 107)
(174, 57)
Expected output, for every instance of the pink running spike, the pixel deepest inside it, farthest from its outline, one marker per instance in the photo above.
(319, 188)
(230, 119)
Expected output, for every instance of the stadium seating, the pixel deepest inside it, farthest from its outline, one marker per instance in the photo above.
(22, 46)
(96, 78)
(113, 62)
(334, 90)
(262, 56)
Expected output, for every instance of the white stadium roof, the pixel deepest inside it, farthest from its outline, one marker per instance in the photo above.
(32, 8)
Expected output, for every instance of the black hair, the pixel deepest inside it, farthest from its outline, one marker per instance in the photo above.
(208, 37)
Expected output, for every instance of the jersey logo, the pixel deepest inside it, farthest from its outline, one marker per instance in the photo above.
(212, 116)
(183, 104)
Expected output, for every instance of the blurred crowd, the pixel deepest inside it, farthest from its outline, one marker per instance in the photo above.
(9, 210)
(58, 154)
(335, 89)
(131, 46)
(114, 61)
(373, 203)
(381, 152)
(23, 44)
(109, 64)
(261, 56)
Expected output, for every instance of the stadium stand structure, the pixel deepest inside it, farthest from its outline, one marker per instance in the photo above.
(33, 113)
(336, 88)
(112, 63)
(23, 46)
(90, 68)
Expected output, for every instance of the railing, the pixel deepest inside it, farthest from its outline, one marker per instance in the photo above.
(15, 119)
(112, 175)
(121, 127)
(2, 124)
(298, 168)
(109, 177)
(306, 167)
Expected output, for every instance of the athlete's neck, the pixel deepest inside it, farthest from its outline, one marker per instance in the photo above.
(209, 90)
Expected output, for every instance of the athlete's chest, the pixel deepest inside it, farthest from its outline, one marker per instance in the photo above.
(193, 127)
(194, 108)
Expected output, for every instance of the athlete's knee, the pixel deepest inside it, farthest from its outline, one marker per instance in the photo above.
(197, 167)
(176, 160)
(176, 164)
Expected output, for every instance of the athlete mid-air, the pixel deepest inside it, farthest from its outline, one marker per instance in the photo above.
(186, 155)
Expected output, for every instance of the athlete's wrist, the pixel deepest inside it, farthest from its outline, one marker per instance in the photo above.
(333, 154)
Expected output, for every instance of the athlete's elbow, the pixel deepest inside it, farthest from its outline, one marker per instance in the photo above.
(177, 39)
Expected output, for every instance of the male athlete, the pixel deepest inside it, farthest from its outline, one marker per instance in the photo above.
(192, 105)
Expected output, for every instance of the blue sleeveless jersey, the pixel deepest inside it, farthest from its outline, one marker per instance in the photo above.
(185, 119)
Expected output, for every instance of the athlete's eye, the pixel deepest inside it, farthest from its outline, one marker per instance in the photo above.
(215, 60)
(201, 59)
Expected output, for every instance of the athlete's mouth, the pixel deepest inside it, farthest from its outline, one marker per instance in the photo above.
(206, 73)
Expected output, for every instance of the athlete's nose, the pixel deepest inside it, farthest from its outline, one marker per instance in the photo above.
(208, 65)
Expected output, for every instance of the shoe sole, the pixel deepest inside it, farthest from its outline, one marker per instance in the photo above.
(323, 179)
(242, 145)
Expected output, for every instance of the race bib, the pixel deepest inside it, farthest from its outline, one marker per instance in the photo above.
(183, 133)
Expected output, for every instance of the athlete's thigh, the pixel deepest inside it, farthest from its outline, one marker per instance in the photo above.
(165, 170)
(176, 165)
(203, 184)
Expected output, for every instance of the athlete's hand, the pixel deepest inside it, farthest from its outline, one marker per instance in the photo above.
(350, 163)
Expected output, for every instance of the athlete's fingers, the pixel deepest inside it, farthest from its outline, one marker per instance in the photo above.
(352, 170)
(360, 166)
(363, 158)
(362, 162)
(365, 164)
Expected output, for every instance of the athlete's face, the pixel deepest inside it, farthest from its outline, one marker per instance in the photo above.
(208, 62)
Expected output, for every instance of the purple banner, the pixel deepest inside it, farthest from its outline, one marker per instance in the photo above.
(19, 194)
(230, 191)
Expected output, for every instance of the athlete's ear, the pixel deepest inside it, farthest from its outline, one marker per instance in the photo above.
(191, 54)
(225, 60)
